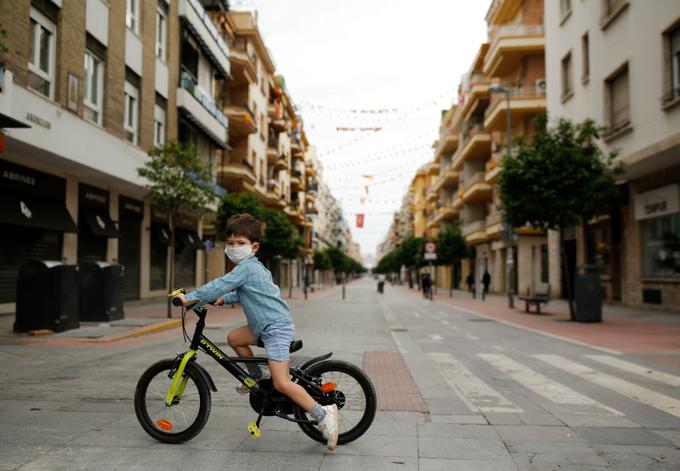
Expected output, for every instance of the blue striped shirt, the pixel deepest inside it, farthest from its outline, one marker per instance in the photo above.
(249, 283)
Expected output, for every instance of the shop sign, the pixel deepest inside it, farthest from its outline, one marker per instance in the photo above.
(133, 207)
(656, 203)
(17, 178)
(91, 196)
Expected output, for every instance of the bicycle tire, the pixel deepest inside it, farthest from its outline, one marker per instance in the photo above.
(369, 391)
(143, 415)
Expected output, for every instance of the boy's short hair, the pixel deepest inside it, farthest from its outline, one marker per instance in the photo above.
(244, 225)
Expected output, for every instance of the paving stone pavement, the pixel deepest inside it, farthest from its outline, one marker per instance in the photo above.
(70, 407)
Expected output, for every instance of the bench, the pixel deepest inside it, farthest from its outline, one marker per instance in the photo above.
(541, 296)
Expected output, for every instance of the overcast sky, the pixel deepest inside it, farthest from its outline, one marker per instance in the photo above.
(339, 57)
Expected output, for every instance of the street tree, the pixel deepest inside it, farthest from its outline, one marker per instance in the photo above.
(451, 247)
(558, 180)
(178, 181)
(411, 255)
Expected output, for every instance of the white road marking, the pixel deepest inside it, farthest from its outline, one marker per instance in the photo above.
(544, 386)
(630, 390)
(476, 394)
(436, 337)
(637, 369)
(500, 349)
(397, 342)
(471, 337)
(416, 315)
(445, 322)
(536, 331)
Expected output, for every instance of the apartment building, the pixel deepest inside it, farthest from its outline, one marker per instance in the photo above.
(618, 63)
(100, 83)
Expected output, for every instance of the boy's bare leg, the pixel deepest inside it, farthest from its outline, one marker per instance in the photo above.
(239, 340)
(283, 384)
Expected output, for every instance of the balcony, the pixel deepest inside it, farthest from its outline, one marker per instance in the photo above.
(476, 189)
(448, 142)
(476, 145)
(201, 110)
(295, 181)
(494, 224)
(475, 232)
(493, 168)
(524, 101)
(478, 89)
(431, 195)
(243, 64)
(198, 21)
(241, 120)
(237, 174)
(432, 168)
(509, 44)
(446, 212)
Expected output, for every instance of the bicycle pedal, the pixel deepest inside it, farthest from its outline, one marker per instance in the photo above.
(254, 431)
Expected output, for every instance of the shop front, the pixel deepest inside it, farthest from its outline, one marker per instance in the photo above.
(130, 217)
(94, 223)
(33, 219)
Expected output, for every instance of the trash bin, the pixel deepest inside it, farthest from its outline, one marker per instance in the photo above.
(47, 297)
(588, 294)
(101, 291)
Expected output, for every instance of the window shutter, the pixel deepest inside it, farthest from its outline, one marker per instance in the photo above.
(620, 100)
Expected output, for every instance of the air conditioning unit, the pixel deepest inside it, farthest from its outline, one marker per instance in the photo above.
(541, 86)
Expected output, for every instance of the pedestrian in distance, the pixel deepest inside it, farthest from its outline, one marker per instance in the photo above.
(268, 316)
(486, 281)
(381, 283)
(426, 285)
(470, 281)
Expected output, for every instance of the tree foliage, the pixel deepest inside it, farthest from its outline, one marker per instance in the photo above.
(451, 244)
(322, 261)
(340, 262)
(561, 179)
(411, 252)
(177, 179)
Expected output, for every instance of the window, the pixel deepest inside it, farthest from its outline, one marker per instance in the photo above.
(41, 65)
(130, 123)
(567, 81)
(94, 88)
(190, 59)
(618, 106)
(673, 62)
(159, 126)
(585, 58)
(132, 15)
(545, 264)
(610, 10)
(161, 33)
(660, 244)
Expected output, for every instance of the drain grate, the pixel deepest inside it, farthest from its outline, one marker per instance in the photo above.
(481, 319)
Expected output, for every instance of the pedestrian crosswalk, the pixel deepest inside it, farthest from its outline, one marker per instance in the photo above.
(489, 392)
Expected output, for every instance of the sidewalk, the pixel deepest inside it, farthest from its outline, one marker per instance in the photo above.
(623, 329)
(147, 317)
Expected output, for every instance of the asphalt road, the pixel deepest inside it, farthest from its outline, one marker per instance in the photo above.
(495, 397)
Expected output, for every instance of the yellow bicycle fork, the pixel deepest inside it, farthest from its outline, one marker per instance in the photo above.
(179, 380)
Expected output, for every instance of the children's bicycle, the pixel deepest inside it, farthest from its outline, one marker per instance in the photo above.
(173, 396)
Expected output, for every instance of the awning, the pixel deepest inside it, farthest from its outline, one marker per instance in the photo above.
(160, 233)
(189, 239)
(40, 213)
(99, 222)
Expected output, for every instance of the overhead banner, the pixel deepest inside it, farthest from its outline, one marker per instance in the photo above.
(360, 220)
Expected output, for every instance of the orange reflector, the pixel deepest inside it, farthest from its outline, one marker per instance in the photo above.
(164, 424)
(328, 387)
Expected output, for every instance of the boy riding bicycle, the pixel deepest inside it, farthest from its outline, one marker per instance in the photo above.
(268, 316)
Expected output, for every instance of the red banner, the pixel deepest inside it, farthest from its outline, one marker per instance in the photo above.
(360, 220)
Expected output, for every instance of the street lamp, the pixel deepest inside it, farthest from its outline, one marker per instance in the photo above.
(509, 259)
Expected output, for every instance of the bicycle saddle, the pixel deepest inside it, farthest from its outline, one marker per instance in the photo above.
(295, 345)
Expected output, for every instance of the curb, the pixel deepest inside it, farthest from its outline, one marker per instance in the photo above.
(146, 330)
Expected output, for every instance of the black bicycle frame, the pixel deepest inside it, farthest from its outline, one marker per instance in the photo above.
(199, 341)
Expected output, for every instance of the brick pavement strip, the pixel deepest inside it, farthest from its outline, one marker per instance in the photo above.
(397, 391)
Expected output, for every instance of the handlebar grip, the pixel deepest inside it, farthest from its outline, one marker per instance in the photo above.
(176, 302)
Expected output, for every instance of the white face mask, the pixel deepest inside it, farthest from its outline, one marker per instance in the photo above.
(238, 254)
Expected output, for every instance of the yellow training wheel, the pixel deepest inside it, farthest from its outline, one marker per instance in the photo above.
(254, 431)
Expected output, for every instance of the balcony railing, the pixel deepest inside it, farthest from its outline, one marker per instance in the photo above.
(494, 218)
(474, 178)
(272, 141)
(187, 82)
(474, 226)
(505, 31)
(274, 186)
(515, 92)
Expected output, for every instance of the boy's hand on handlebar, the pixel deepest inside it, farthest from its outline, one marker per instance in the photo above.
(219, 301)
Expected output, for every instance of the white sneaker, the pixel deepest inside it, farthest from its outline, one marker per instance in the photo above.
(329, 426)
(243, 389)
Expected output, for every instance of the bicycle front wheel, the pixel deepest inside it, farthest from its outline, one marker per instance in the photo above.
(187, 415)
(354, 395)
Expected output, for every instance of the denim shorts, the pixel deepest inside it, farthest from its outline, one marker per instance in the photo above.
(276, 339)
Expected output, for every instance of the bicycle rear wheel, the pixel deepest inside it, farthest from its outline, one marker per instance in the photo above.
(354, 395)
(186, 417)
